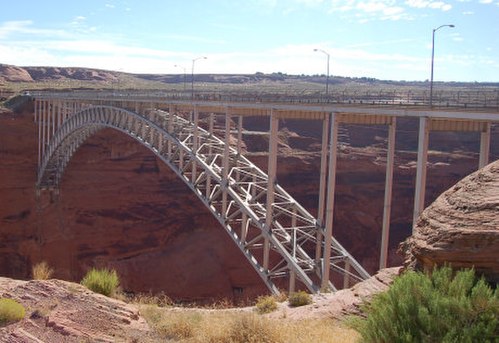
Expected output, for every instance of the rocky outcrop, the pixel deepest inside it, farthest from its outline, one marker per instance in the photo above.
(461, 227)
(14, 74)
(82, 74)
(60, 311)
(342, 303)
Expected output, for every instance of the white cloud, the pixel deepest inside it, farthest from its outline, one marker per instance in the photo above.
(9, 28)
(429, 4)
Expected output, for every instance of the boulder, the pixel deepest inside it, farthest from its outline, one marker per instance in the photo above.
(461, 227)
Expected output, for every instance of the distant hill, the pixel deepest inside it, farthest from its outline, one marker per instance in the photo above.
(16, 74)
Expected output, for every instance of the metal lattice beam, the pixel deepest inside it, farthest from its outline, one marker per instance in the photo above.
(277, 235)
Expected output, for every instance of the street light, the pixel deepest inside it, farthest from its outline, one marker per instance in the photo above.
(183, 68)
(432, 58)
(192, 74)
(327, 67)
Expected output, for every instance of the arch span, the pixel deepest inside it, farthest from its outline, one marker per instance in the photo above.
(228, 184)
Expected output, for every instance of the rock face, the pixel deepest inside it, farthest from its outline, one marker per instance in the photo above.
(120, 207)
(14, 74)
(60, 311)
(342, 303)
(461, 227)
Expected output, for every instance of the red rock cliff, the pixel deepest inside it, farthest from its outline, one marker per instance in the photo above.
(121, 207)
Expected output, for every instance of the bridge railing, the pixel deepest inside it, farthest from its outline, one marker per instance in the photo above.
(478, 99)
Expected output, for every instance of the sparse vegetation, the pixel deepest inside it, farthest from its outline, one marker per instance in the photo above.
(103, 281)
(10, 311)
(252, 329)
(300, 298)
(236, 326)
(42, 271)
(266, 304)
(441, 307)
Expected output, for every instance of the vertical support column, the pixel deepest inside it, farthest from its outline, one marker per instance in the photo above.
(225, 163)
(239, 134)
(43, 123)
(195, 144)
(170, 131)
(419, 198)
(484, 146)
(210, 151)
(38, 107)
(385, 231)
(35, 114)
(54, 116)
(331, 184)
(59, 114)
(322, 187)
(346, 276)
(210, 123)
(239, 142)
(272, 169)
(292, 274)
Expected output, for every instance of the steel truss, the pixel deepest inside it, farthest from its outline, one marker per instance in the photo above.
(278, 236)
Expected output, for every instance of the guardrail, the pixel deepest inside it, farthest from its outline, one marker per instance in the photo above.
(485, 99)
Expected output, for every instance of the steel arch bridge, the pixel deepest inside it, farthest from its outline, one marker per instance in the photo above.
(279, 238)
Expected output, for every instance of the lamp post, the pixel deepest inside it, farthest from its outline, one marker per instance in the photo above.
(327, 68)
(432, 58)
(192, 74)
(183, 68)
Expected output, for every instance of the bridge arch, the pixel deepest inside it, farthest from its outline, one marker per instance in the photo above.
(228, 184)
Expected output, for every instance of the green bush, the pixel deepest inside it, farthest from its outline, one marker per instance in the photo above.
(300, 298)
(101, 281)
(10, 311)
(266, 304)
(441, 307)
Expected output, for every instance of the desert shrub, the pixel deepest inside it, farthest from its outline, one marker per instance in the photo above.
(103, 281)
(251, 329)
(178, 325)
(441, 307)
(300, 298)
(265, 304)
(10, 311)
(42, 271)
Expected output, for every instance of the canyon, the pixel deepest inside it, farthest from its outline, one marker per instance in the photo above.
(120, 207)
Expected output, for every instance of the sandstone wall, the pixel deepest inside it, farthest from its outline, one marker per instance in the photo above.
(121, 207)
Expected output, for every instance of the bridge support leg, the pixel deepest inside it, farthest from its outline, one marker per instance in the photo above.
(225, 164)
(331, 184)
(39, 115)
(346, 276)
(419, 198)
(385, 232)
(292, 281)
(272, 168)
(170, 131)
(239, 143)
(322, 188)
(484, 146)
(195, 144)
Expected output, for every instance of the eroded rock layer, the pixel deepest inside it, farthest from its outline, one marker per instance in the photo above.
(461, 227)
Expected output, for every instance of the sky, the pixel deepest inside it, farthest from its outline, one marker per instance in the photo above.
(383, 39)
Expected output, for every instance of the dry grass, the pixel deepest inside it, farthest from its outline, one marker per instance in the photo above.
(237, 326)
(42, 271)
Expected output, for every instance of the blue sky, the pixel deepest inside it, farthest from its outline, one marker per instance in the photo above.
(384, 39)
